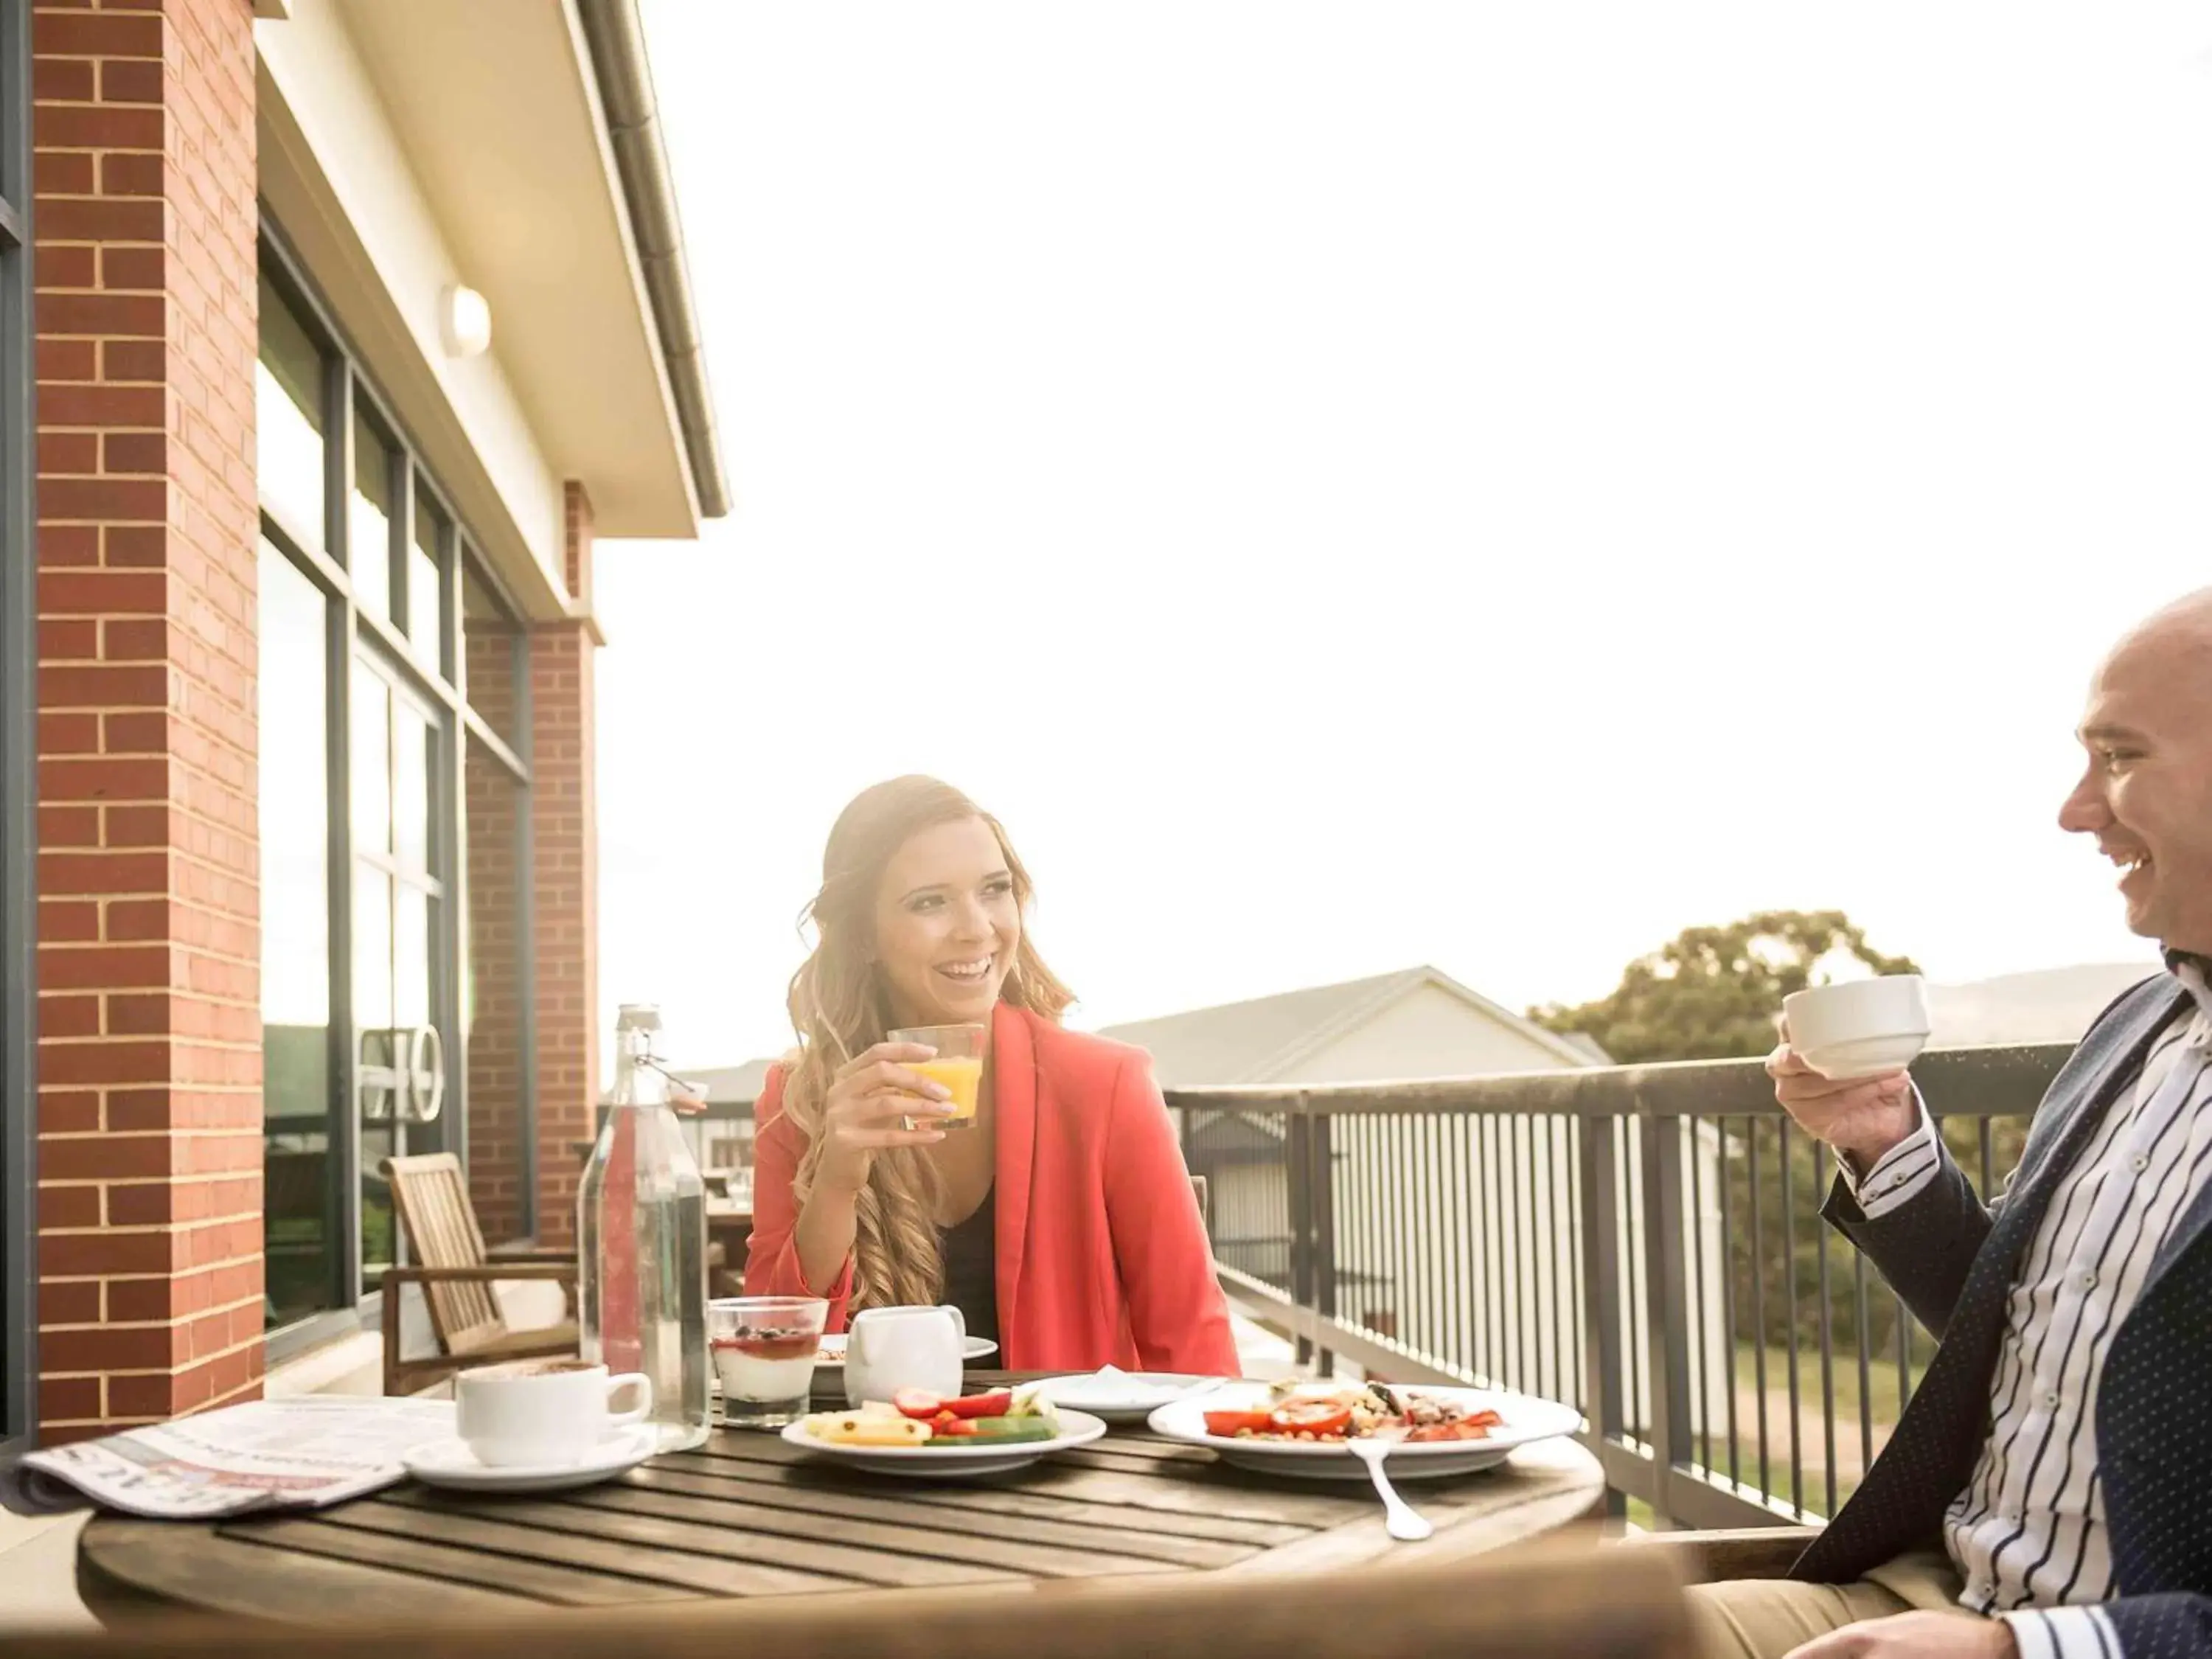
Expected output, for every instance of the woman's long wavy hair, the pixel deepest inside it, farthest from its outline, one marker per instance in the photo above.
(839, 1009)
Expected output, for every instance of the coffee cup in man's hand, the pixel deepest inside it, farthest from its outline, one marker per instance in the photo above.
(1840, 1070)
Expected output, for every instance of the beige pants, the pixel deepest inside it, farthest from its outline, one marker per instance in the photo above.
(1765, 1617)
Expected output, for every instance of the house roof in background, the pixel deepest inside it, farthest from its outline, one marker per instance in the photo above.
(1259, 1040)
(723, 1085)
(2053, 1005)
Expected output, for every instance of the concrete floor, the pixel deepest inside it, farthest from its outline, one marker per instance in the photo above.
(38, 1575)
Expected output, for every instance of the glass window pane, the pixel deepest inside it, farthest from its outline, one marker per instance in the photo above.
(372, 763)
(288, 416)
(368, 518)
(490, 642)
(372, 952)
(410, 958)
(413, 745)
(295, 941)
(426, 599)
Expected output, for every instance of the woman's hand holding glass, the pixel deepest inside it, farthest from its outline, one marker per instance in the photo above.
(876, 1103)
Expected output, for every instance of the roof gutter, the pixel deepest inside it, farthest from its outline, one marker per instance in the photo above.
(616, 36)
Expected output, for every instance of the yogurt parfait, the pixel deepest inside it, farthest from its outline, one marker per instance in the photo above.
(764, 1348)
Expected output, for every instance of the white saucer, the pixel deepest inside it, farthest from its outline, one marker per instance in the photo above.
(451, 1463)
(1121, 1396)
(830, 1356)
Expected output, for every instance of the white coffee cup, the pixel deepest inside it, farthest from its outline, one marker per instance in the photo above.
(543, 1413)
(895, 1348)
(1861, 1027)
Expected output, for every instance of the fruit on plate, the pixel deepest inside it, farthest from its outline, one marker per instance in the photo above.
(859, 1428)
(921, 1404)
(1001, 1432)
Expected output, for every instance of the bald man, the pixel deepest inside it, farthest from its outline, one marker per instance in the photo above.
(2049, 1489)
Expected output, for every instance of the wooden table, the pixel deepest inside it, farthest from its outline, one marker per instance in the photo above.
(746, 1515)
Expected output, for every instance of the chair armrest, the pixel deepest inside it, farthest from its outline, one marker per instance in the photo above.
(527, 1249)
(485, 1274)
(1708, 1558)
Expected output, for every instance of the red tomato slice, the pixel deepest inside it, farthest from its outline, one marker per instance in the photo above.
(917, 1403)
(946, 1426)
(1227, 1425)
(1318, 1417)
(1470, 1428)
(993, 1404)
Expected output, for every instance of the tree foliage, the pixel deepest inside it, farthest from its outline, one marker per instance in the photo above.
(1713, 993)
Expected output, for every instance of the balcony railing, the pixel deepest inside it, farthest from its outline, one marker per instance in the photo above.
(1641, 1241)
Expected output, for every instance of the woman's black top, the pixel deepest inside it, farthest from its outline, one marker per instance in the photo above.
(971, 1268)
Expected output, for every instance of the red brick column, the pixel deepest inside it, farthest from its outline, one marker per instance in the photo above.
(150, 1060)
(565, 882)
(494, 1011)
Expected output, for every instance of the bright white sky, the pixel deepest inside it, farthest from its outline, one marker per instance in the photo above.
(1358, 485)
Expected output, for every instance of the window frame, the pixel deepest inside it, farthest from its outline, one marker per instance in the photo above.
(428, 673)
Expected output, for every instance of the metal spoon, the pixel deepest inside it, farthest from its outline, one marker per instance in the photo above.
(1404, 1524)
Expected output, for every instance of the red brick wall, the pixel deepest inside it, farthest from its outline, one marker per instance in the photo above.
(149, 1061)
(494, 1026)
(565, 882)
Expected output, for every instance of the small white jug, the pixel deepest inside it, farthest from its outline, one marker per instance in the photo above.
(895, 1348)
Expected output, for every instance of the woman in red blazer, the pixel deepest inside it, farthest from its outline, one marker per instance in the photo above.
(1062, 1223)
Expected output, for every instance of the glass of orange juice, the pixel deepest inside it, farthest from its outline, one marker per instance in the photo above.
(958, 1065)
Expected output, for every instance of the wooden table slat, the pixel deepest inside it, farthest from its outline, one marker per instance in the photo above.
(354, 1540)
(138, 1567)
(686, 1570)
(680, 1534)
(720, 1528)
(1008, 1509)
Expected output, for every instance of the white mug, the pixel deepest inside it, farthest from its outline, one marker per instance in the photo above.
(1861, 1027)
(895, 1348)
(543, 1413)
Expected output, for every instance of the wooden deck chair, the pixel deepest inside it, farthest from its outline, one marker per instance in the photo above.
(431, 1198)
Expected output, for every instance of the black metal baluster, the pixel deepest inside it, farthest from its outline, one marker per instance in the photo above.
(1578, 1266)
(1828, 1352)
(1866, 1363)
(1639, 1345)
(1727, 1298)
(1462, 1360)
(1759, 1310)
(1700, 1348)
(1494, 1301)
(1789, 1272)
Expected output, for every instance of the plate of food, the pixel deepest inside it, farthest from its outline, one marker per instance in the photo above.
(1121, 1396)
(1301, 1428)
(831, 1352)
(925, 1437)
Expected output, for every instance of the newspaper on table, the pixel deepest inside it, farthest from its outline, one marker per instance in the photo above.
(266, 1454)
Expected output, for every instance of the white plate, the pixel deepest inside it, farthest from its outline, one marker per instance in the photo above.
(952, 1462)
(1121, 1396)
(451, 1463)
(831, 1354)
(1527, 1420)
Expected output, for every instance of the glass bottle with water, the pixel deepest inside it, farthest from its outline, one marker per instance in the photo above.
(641, 1224)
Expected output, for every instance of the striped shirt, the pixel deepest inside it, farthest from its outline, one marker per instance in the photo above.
(2028, 1532)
